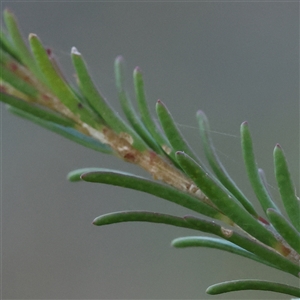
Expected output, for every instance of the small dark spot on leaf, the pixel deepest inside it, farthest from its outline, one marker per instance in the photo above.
(3, 88)
(129, 157)
(45, 97)
(13, 67)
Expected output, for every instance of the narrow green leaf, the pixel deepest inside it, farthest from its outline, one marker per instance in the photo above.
(19, 45)
(173, 134)
(285, 229)
(18, 83)
(59, 86)
(36, 110)
(259, 188)
(263, 178)
(128, 108)
(268, 256)
(75, 175)
(216, 243)
(286, 187)
(249, 284)
(169, 193)
(145, 113)
(224, 201)
(7, 47)
(67, 132)
(140, 216)
(218, 167)
(99, 104)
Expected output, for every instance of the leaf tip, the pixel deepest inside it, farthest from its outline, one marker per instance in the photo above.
(159, 103)
(209, 291)
(201, 115)
(137, 71)
(270, 211)
(277, 146)
(7, 11)
(119, 59)
(179, 153)
(32, 35)
(74, 51)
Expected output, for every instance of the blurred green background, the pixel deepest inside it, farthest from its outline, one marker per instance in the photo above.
(236, 61)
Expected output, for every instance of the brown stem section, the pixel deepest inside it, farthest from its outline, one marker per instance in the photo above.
(157, 166)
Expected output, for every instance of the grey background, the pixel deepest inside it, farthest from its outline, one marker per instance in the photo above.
(236, 61)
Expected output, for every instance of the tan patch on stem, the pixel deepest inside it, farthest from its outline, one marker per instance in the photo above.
(158, 167)
(226, 232)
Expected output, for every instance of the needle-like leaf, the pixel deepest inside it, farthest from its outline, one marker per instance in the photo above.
(36, 111)
(225, 202)
(7, 46)
(265, 253)
(248, 284)
(216, 243)
(18, 83)
(67, 132)
(146, 115)
(20, 47)
(99, 103)
(218, 167)
(59, 86)
(154, 188)
(286, 187)
(140, 216)
(173, 134)
(128, 108)
(253, 174)
(285, 229)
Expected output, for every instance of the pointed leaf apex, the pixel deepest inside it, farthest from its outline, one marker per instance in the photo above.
(202, 118)
(137, 70)
(245, 123)
(32, 35)
(7, 10)
(119, 59)
(179, 153)
(75, 51)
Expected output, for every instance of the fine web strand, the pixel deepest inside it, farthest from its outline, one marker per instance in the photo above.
(221, 153)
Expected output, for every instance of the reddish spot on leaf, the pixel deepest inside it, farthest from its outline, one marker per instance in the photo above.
(13, 66)
(263, 221)
(3, 89)
(129, 157)
(152, 155)
(46, 97)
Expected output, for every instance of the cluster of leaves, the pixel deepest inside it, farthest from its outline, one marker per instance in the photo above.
(34, 88)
